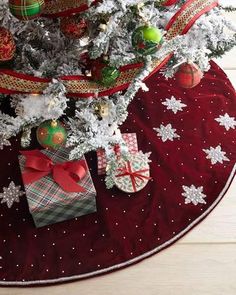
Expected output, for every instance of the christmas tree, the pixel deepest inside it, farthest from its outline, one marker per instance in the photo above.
(71, 68)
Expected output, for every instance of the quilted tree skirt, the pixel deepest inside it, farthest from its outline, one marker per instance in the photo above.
(191, 134)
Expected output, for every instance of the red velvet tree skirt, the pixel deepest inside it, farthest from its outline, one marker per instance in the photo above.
(191, 173)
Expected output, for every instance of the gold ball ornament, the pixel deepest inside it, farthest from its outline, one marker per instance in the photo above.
(102, 110)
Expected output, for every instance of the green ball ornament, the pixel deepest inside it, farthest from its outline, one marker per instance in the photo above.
(26, 9)
(103, 73)
(51, 134)
(109, 75)
(145, 39)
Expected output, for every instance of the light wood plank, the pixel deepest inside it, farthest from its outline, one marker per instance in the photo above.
(180, 270)
(228, 61)
(227, 2)
(219, 226)
(232, 76)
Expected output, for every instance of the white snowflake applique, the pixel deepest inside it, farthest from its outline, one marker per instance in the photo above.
(11, 194)
(174, 104)
(193, 195)
(166, 132)
(226, 121)
(216, 155)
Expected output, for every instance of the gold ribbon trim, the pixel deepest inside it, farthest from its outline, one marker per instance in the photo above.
(83, 87)
(65, 7)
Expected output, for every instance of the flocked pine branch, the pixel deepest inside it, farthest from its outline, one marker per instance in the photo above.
(44, 51)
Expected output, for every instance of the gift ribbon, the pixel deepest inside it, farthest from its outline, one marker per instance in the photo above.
(134, 175)
(66, 174)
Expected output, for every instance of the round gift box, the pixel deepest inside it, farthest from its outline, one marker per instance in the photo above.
(133, 175)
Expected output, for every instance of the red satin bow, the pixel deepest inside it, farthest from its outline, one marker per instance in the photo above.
(66, 174)
(127, 171)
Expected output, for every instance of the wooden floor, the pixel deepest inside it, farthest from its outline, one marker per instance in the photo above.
(201, 263)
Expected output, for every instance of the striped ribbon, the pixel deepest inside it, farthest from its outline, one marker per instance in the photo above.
(81, 86)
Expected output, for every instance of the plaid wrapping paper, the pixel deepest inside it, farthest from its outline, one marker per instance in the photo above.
(49, 204)
(132, 144)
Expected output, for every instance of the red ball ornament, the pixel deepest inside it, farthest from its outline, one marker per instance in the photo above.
(188, 75)
(73, 27)
(7, 45)
(169, 2)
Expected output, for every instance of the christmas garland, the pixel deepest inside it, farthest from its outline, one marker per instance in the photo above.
(12, 82)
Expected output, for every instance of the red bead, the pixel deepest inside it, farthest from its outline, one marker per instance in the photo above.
(188, 75)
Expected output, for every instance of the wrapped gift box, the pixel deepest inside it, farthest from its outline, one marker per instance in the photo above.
(132, 144)
(49, 203)
(132, 176)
